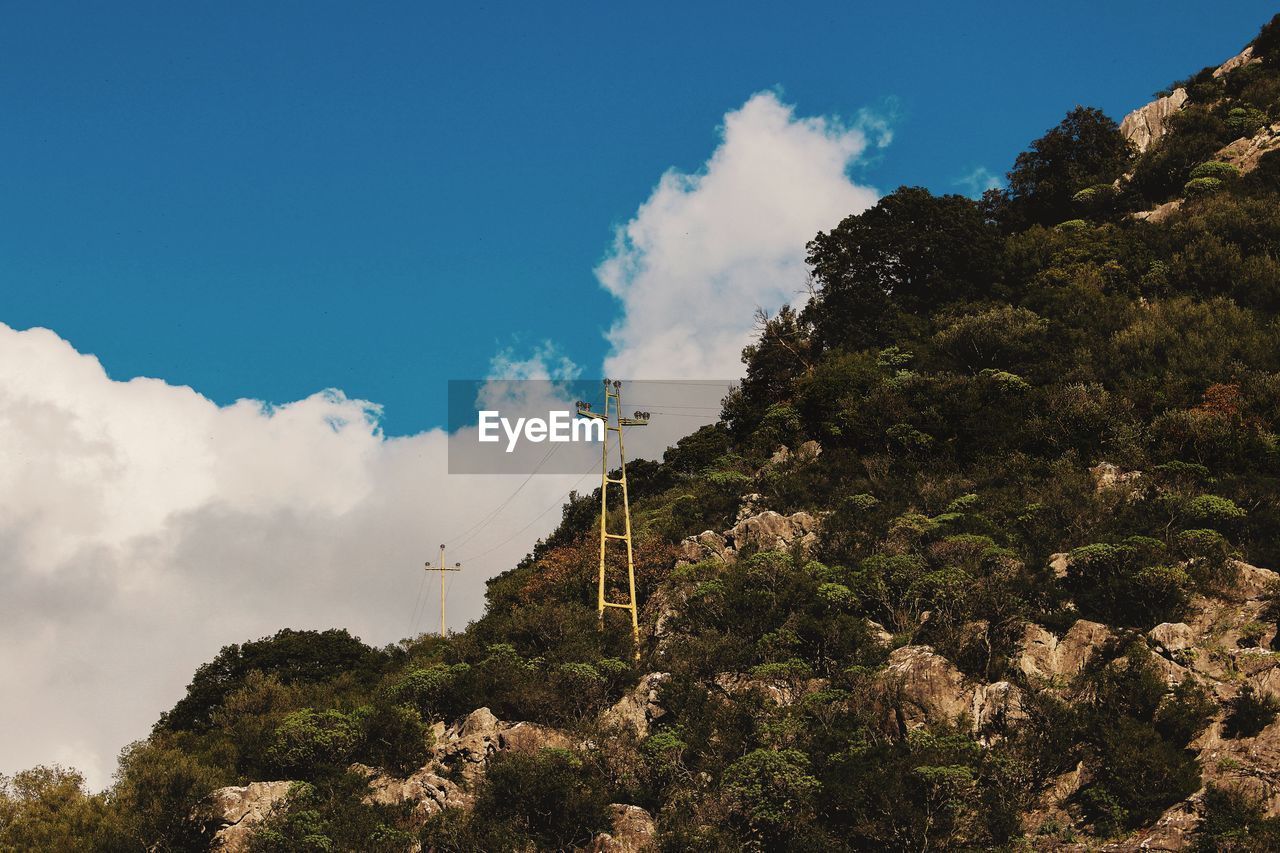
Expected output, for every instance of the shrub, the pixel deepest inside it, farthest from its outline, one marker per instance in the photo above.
(1244, 121)
(771, 791)
(1138, 775)
(1072, 225)
(1214, 510)
(1201, 187)
(1249, 713)
(1184, 713)
(395, 737)
(1216, 169)
(548, 800)
(308, 743)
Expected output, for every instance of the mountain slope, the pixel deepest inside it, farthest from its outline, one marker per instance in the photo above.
(972, 560)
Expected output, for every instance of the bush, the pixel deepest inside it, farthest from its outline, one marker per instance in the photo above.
(1184, 713)
(395, 738)
(1249, 713)
(309, 743)
(771, 791)
(550, 800)
(1138, 775)
(1216, 169)
(1201, 186)
(1072, 225)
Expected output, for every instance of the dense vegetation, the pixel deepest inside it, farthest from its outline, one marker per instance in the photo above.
(963, 365)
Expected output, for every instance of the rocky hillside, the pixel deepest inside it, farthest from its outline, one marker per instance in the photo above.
(976, 558)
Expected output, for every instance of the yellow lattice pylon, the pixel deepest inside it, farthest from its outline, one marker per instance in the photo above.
(613, 423)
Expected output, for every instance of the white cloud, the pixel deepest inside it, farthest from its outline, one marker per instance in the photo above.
(978, 180)
(143, 527)
(706, 248)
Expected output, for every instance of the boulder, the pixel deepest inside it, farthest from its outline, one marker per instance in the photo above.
(1160, 212)
(425, 792)
(231, 813)
(926, 687)
(1059, 564)
(632, 831)
(1107, 477)
(1044, 658)
(769, 531)
(531, 737)
(1172, 637)
(638, 709)
(1144, 126)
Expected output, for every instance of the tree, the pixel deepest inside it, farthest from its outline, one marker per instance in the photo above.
(771, 790)
(1084, 150)
(908, 255)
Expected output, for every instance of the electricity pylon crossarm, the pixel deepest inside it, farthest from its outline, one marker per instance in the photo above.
(614, 424)
(443, 567)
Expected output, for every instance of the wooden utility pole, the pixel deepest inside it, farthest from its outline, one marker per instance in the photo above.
(442, 568)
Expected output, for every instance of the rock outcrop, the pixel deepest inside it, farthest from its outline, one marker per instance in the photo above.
(924, 687)
(231, 813)
(632, 831)
(1144, 126)
(1048, 661)
(638, 709)
(462, 752)
(764, 531)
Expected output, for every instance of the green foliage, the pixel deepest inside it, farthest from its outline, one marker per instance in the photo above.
(551, 799)
(309, 743)
(1216, 169)
(1233, 821)
(1214, 510)
(1184, 713)
(1202, 186)
(48, 808)
(1084, 150)
(1125, 584)
(1249, 712)
(292, 656)
(771, 791)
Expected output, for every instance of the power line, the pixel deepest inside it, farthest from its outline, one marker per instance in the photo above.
(559, 502)
(468, 534)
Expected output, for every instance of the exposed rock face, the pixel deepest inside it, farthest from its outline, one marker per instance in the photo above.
(1245, 152)
(780, 691)
(462, 751)
(638, 709)
(1107, 477)
(233, 812)
(926, 687)
(425, 791)
(763, 531)
(632, 832)
(1244, 57)
(1144, 126)
(1048, 661)
(770, 531)
(1161, 212)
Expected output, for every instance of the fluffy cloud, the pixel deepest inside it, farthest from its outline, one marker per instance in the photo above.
(142, 527)
(706, 248)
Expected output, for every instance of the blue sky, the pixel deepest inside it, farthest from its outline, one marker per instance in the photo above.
(263, 200)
